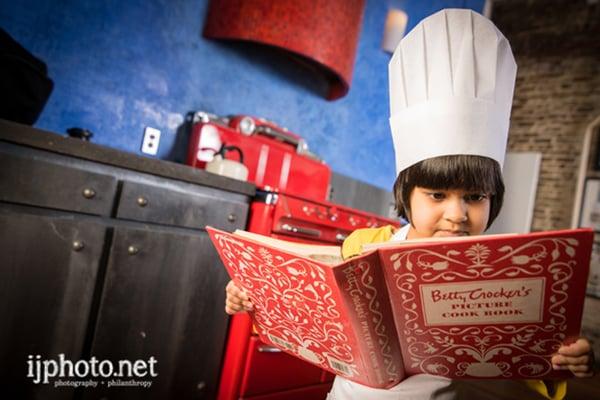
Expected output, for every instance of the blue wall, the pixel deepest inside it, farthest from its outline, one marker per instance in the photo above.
(119, 66)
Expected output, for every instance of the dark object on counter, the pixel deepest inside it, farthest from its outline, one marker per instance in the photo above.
(24, 83)
(224, 149)
(80, 133)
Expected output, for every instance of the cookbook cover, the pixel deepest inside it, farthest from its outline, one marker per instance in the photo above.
(484, 307)
(488, 307)
(298, 305)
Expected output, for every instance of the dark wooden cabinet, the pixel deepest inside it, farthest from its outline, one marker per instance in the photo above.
(48, 270)
(38, 182)
(104, 254)
(163, 297)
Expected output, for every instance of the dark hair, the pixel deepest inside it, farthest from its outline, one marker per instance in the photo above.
(466, 172)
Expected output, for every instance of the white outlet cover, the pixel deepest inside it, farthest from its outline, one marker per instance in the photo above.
(150, 141)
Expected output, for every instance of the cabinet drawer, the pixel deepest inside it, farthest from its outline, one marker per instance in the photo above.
(148, 203)
(41, 183)
(269, 370)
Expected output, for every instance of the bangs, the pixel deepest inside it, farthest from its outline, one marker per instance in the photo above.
(466, 172)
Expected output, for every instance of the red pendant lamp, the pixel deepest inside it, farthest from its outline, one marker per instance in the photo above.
(325, 32)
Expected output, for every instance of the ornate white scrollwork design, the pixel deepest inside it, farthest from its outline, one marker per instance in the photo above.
(306, 319)
(440, 350)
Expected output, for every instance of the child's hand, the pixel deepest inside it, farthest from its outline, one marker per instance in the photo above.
(237, 300)
(577, 357)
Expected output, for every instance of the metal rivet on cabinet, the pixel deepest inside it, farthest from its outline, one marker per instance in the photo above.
(88, 193)
(231, 217)
(132, 250)
(201, 385)
(142, 201)
(78, 245)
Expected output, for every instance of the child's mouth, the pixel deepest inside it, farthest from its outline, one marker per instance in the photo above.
(449, 233)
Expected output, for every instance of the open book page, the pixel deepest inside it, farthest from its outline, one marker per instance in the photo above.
(327, 254)
(336, 317)
(384, 245)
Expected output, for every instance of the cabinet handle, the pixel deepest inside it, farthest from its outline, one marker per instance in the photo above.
(89, 193)
(142, 201)
(268, 349)
(132, 250)
(231, 217)
(78, 245)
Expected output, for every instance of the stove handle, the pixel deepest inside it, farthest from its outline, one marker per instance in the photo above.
(299, 143)
(303, 231)
(268, 349)
(268, 131)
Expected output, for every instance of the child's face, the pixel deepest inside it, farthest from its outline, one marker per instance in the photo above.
(452, 212)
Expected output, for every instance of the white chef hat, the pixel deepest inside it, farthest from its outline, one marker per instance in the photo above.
(451, 87)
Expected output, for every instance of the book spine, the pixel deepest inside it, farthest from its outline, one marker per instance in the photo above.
(363, 290)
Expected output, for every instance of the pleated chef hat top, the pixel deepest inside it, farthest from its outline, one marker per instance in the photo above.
(451, 87)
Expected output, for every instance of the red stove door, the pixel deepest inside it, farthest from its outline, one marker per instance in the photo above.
(269, 370)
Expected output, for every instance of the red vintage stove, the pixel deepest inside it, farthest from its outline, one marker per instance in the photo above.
(290, 204)
(277, 160)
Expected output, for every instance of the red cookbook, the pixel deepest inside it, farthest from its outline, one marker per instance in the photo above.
(495, 306)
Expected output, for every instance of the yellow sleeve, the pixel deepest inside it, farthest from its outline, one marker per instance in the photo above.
(352, 245)
(541, 387)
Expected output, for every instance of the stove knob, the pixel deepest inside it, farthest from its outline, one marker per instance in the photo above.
(247, 126)
(310, 210)
(333, 214)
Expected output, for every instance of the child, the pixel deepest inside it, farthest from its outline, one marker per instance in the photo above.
(451, 86)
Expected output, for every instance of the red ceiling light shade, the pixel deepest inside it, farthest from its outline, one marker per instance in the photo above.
(323, 31)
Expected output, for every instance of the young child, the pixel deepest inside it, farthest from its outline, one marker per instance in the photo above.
(451, 86)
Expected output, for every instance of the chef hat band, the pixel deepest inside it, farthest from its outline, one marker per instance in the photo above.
(451, 87)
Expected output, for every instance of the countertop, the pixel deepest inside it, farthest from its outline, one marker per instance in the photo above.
(15, 133)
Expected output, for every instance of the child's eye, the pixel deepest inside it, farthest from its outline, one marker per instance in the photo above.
(476, 197)
(437, 195)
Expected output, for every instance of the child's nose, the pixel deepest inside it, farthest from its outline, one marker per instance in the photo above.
(456, 210)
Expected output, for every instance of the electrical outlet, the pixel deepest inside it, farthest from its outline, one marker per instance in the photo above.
(151, 141)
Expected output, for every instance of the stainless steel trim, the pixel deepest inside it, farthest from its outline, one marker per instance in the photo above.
(268, 131)
(303, 231)
(271, 198)
(340, 237)
(268, 349)
(299, 143)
